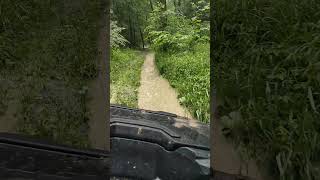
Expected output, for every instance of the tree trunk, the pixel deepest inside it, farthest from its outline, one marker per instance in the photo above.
(151, 5)
(99, 132)
(140, 31)
(164, 2)
(134, 34)
(164, 19)
(142, 39)
(130, 27)
(213, 100)
(165, 5)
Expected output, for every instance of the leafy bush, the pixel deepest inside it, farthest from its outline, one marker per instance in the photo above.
(116, 39)
(125, 76)
(267, 62)
(171, 31)
(164, 41)
(193, 8)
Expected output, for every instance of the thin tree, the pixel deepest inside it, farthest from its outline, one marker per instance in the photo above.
(151, 4)
(140, 31)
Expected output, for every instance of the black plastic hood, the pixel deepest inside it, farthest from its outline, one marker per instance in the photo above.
(25, 158)
(150, 145)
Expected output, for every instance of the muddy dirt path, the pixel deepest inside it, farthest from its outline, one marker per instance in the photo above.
(155, 92)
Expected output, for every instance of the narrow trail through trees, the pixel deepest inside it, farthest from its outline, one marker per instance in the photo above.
(155, 92)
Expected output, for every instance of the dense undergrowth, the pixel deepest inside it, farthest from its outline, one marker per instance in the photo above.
(182, 54)
(125, 68)
(47, 56)
(189, 73)
(267, 59)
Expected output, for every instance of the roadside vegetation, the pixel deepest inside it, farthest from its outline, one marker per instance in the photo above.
(267, 64)
(180, 37)
(47, 56)
(189, 73)
(126, 62)
(125, 76)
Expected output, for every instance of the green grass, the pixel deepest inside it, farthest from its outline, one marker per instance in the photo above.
(47, 57)
(189, 73)
(267, 57)
(125, 71)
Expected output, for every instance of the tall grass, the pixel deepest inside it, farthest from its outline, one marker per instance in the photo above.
(267, 64)
(47, 56)
(189, 73)
(125, 71)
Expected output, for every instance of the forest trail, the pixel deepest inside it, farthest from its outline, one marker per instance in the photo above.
(155, 92)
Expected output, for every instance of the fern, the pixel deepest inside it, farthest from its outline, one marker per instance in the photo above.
(116, 39)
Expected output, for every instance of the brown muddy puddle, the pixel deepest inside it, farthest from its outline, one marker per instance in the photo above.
(155, 92)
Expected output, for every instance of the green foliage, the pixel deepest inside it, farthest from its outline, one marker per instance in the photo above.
(116, 39)
(131, 15)
(267, 62)
(189, 73)
(164, 41)
(182, 54)
(47, 56)
(125, 76)
(194, 8)
(169, 30)
(201, 9)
